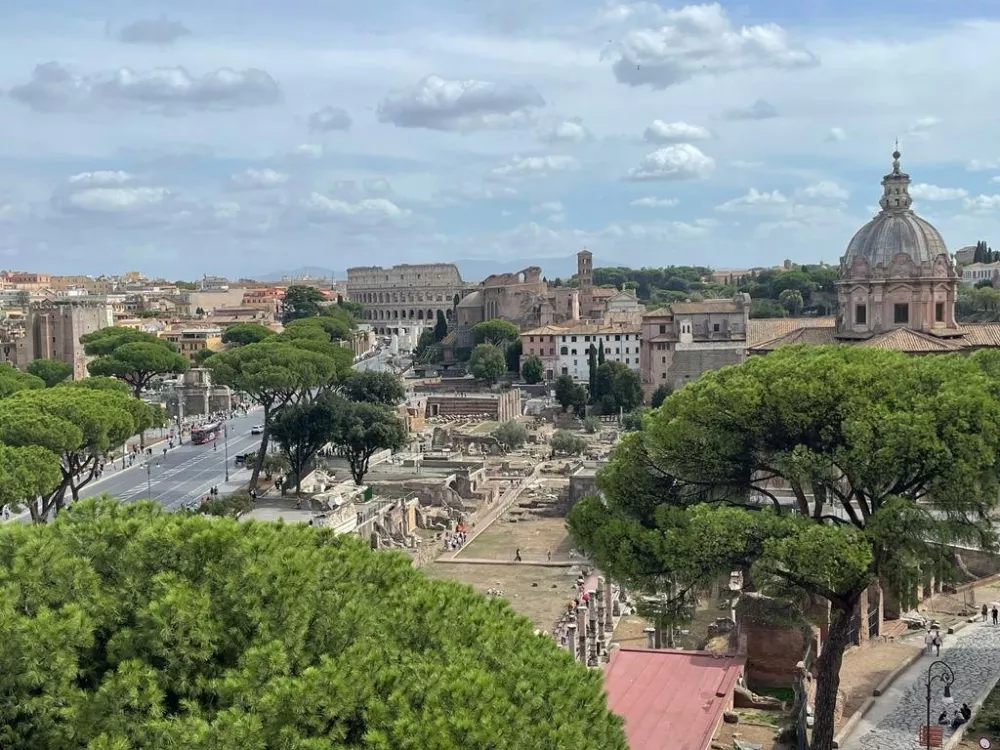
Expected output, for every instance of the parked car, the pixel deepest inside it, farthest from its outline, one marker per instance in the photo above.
(241, 459)
(257, 429)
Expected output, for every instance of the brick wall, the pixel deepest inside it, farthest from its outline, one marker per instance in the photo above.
(687, 365)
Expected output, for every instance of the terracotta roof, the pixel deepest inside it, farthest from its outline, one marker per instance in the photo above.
(670, 700)
(905, 340)
(706, 306)
(760, 330)
(812, 335)
(980, 334)
(579, 328)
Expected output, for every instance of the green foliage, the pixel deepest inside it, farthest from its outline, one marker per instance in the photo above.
(76, 425)
(301, 430)
(886, 455)
(513, 354)
(440, 326)
(188, 286)
(488, 363)
(632, 420)
(234, 505)
(132, 356)
(791, 300)
(592, 370)
(571, 395)
(565, 442)
(128, 627)
(301, 302)
(425, 345)
(592, 425)
(319, 328)
(616, 387)
(242, 334)
(202, 356)
(511, 434)
(767, 308)
(660, 395)
(385, 388)
(984, 253)
(532, 371)
(360, 430)
(51, 371)
(497, 332)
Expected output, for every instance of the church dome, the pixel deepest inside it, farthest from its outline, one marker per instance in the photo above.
(896, 229)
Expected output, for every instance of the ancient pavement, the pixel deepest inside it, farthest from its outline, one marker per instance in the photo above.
(895, 719)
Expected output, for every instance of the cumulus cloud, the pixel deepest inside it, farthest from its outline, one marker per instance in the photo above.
(655, 202)
(680, 162)
(922, 127)
(307, 151)
(534, 166)
(675, 132)
(567, 131)
(982, 203)
(754, 200)
(435, 103)
(759, 110)
(152, 31)
(549, 207)
(698, 40)
(114, 195)
(319, 208)
(925, 192)
(836, 135)
(825, 191)
(257, 179)
(55, 88)
(329, 119)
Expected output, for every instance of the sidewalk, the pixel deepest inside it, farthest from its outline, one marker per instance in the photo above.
(896, 717)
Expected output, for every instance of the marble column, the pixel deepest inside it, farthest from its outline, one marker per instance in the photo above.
(571, 643)
(581, 632)
(609, 622)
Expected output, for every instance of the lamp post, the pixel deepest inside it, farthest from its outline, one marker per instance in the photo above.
(946, 677)
(149, 480)
(225, 444)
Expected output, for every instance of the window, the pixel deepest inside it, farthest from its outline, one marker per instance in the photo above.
(663, 376)
(618, 337)
(616, 351)
(901, 313)
(939, 312)
(663, 329)
(715, 327)
(573, 339)
(587, 338)
(627, 361)
(664, 359)
(574, 352)
(565, 371)
(860, 315)
(564, 351)
(552, 352)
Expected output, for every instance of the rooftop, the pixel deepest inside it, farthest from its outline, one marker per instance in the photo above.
(670, 700)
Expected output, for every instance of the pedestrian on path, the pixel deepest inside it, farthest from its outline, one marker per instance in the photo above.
(996, 614)
(986, 611)
(929, 641)
(937, 643)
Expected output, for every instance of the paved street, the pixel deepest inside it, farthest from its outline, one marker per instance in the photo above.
(895, 719)
(184, 473)
(379, 362)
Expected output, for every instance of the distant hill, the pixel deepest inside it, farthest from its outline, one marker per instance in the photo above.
(316, 271)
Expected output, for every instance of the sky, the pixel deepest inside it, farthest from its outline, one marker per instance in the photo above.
(242, 137)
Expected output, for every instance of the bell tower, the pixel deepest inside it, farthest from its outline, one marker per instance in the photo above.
(585, 277)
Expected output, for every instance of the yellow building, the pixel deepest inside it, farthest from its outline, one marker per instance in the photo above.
(190, 341)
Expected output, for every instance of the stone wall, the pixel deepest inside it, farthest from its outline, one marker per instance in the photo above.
(688, 365)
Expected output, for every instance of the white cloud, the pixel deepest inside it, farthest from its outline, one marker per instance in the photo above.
(700, 40)
(534, 166)
(109, 199)
(373, 211)
(823, 191)
(675, 132)
(655, 202)
(257, 179)
(922, 126)
(567, 131)
(680, 162)
(549, 207)
(438, 104)
(983, 165)
(836, 135)
(307, 150)
(55, 88)
(925, 192)
(160, 31)
(982, 203)
(467, 193)
(101, 178)
(754, 200)
(328, 119)
(759, 110)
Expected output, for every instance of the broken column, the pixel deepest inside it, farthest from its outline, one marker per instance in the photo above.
(581, 632)
(601, 619)
(571, 643)
(609, 622)
(650, 637)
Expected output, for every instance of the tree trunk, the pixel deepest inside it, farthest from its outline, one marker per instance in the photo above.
(828, 674)
(262, 451)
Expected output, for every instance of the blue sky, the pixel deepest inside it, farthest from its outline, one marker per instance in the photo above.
(238, 137)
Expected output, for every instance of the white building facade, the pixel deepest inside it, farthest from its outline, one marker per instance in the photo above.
(620, 344)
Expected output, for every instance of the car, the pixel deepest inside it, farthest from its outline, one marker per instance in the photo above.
(241, 459)
(257, 429)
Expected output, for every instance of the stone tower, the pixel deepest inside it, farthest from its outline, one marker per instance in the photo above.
(585, 276)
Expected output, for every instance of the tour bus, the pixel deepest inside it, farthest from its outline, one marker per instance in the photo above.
(205, 433)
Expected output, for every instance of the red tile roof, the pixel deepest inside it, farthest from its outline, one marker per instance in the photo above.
(670, 700)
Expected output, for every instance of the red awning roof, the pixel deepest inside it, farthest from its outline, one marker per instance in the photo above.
(670, 700)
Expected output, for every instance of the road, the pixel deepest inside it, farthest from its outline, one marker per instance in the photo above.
(378, 363)
(184, 473)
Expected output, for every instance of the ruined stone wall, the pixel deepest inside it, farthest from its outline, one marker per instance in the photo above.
(687, 365)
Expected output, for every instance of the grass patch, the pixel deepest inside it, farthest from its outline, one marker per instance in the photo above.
(785, 694)
(986, 722)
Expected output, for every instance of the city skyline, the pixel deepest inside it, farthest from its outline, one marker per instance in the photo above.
(198, 138)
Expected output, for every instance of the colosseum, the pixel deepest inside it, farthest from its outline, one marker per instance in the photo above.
(406, 294)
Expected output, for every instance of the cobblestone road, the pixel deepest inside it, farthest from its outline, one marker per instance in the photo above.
(973, 653)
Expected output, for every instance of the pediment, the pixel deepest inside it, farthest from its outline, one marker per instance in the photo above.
(893, 288)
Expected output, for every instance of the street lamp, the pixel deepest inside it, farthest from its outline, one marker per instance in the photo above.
(225, 444)
(947, 678)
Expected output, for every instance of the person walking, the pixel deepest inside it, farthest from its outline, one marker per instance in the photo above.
(929, 641)
(985, 612)
(517, 555)
(996, 614)
(937, 643)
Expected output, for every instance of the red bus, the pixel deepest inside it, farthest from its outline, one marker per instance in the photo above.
(206, 432)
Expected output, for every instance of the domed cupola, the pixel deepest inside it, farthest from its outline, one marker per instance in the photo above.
(897, 272)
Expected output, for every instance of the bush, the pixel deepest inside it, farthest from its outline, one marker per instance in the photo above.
(511, 434)
(564, 441)
(532, 370)
(592, 425)
(125, 626)
(660, 395)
